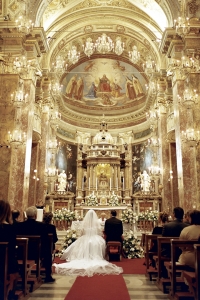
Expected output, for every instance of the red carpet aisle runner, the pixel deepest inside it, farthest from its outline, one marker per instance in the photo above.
(98, 287)
(130, 266)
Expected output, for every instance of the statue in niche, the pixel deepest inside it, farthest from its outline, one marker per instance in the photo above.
(62, 181)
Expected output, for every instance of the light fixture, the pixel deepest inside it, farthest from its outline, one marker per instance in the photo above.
(154, 142)
(59, 65)
(134, 55)
(16, 138)
(89, 47)
(119, 46)
(24, 24)
(189, 97)
(54, 116)
(191, 136)
(152, 116)
(73, 55)
(182, 26)
(149, 66)
(154, 170)
(104, 44)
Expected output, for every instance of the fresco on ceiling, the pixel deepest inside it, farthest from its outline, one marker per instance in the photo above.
(104, 82)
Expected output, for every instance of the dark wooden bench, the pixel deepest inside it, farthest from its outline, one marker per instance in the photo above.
(113, 250)
(150, 271)
(33, 259)
(22, 250)
(162, 283)
(193, 278)
(176, 269)
(3, 269)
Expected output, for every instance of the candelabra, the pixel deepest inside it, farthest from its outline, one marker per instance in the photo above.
(73, 55)
(104, 44)
(149, 66)
(89, 47)
(24, 24)
(134, 55)
(59, 64)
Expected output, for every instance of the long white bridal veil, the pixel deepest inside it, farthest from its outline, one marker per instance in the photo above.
(90, 224)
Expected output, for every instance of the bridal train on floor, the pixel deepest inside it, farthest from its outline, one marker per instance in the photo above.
(86, 256)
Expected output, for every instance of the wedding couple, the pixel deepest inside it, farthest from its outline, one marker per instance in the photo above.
(86, 256)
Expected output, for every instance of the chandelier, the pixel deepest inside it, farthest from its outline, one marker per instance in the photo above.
(16, 138)
(182, 26)
(89, 47)
(134, 55)
(73, 55)
(59, 64)
(152, 116)
(119, 46)
(154, 170)
(104, 44)
(189, 98)
(24, 24)
(191, 136)
(149, 66)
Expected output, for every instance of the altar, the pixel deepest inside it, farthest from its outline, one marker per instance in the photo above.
(80, 211)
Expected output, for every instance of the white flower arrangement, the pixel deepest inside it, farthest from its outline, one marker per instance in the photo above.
(128, 216)
(71, 236)
(131, 246)
(92, 200)
(114, 200)
(63, 214)
(148, 216)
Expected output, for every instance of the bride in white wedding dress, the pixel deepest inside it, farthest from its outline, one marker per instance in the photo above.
(86, 256)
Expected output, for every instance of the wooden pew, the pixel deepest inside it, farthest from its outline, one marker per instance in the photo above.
(176, 244)
(34, 242)
(193, 278)
(162, 283)
(22, 250)
(149, 238)
(3, 269)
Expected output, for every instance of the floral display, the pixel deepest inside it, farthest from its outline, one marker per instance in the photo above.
(71, 236)
(63, 214)
(128, 216)
(92, 200)
(148, 215)
(131, 246)
(114, 200)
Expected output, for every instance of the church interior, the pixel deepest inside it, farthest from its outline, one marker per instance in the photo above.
(99, 106)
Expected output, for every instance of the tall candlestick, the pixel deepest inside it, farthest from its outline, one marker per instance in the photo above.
(110, 184)
(96, 184)
(123, 183)
(89, 184)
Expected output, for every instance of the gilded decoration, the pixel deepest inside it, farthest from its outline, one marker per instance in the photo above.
(103, 171)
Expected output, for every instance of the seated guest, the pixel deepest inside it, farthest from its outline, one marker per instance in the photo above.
(7, 234)
(47, 219)
(113, 228)
(15, 215)
(191, 232)
(33, 227)
(186, 218)
(162, 219)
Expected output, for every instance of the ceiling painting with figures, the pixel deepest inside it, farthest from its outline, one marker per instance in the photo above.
(104, 83)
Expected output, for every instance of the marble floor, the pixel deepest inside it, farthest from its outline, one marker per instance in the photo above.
(139, 288)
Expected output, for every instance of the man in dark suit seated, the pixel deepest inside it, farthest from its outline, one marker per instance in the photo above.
(32, 227)
(113, 228)
(173, 229)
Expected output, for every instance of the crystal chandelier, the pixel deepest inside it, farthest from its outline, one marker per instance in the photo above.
(89, 47)
(59, 64)
(104, 44)
(134, 55)
(24, 25)
(149, 66)
(16, 138)
(191, 136)
(73, 55)
(189, 98)
(182, 26)
(19, 97)
(119, 46)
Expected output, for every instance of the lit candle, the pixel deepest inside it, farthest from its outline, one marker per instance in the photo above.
(96, 184)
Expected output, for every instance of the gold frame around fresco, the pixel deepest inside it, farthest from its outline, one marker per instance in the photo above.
(103, 170)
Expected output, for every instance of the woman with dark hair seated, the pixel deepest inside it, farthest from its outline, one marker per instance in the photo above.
(47, 219)
(191, 232)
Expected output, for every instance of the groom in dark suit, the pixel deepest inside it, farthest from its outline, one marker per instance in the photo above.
(113, 228)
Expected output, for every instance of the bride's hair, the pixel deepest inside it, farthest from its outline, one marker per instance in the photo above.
(91, 221)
